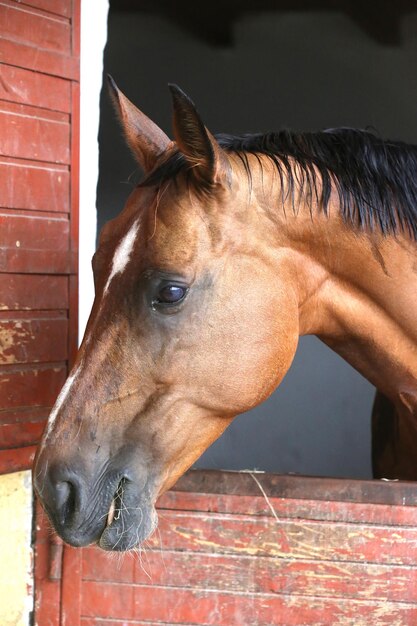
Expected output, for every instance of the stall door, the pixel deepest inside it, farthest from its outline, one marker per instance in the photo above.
(39, 103)
(240, 549)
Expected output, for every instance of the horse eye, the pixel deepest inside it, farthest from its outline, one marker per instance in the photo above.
(171, 294)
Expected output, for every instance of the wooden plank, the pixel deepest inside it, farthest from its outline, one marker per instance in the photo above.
(201, 606)
(25, 414)
(45, 61)
(293, 508)
(31, 26)
(27, 136)
(17, 459)
(22, 386)
(299, 487)
(303, 539)
(18, 435)
(34, 243)
(74, 218)
(33, 292)
(40, 90)
(57, 7)
(71, 587)
(35, 340)
(97, 621)
(22, 427)
(47, 590)
(34, 186)
(254, 575)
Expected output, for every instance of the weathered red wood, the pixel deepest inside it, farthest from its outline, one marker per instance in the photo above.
(37, 135)
(93, 621)
(33, 340)
(23, 86)
(71, 582)
(29, 25)
(299, 487)
(58, 7)
(14, 436)
(17, 459)
(74, 219)
(200, 606)
(76, 44)
(247, 535)
(253, 575)
(244, 567)
(25, 414)
(45, 61)
(22, 386)
(71, 587)
(28, 292)
(39, 51)
(34, 243)
(47, 590)
(34, 186)
(293, 508)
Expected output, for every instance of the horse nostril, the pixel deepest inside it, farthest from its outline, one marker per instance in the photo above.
(61, 490)
(65, 501)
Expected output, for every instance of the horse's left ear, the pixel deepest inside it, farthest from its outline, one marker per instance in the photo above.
(146, 140)
(194, 140)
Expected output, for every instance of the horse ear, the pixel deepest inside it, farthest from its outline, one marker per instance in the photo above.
(146, 140)
(195, 141)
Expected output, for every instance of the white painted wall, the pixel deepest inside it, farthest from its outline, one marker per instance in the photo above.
(93, 41)
(16, 554)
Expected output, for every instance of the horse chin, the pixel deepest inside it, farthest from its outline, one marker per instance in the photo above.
(129, 523)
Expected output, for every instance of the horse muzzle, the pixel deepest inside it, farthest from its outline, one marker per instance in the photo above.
(114, 510)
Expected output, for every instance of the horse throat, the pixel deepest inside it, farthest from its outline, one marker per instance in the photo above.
(360, 299)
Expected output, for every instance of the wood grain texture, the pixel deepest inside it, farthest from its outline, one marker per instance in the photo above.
(57, 7)
(14, 436)
(21, 23)
(213, 608)
(16, 459)
(38, 135)
(30, 385)
(37, 292)
(47, 590)
(39, 338)
(34, 186)
(33, 243)
(256, 575)
(298, 487)
(250, 536)
(46, 61)
(24, 86)
(222, 558)
(298, 508)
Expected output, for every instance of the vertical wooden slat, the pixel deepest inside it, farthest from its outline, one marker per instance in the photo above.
(57, 586)
(71, 587)
(47, 589)
(72, 557)
(74, 223)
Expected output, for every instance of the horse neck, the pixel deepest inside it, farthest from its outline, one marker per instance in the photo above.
(358, 293)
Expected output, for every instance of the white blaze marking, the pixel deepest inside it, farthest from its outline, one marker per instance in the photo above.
(120, 260)
(59, 402)
(122, 253)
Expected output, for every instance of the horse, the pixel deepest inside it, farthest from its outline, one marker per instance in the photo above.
(229, 249)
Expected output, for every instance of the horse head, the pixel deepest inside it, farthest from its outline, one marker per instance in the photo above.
(191, 325)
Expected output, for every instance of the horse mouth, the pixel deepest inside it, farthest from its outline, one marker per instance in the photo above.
(116, 505)
(130, 519)
(112, 510)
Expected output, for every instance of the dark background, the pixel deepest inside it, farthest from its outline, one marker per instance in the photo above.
(262, 70)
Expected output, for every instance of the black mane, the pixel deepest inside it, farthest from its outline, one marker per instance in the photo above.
(376, 180)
